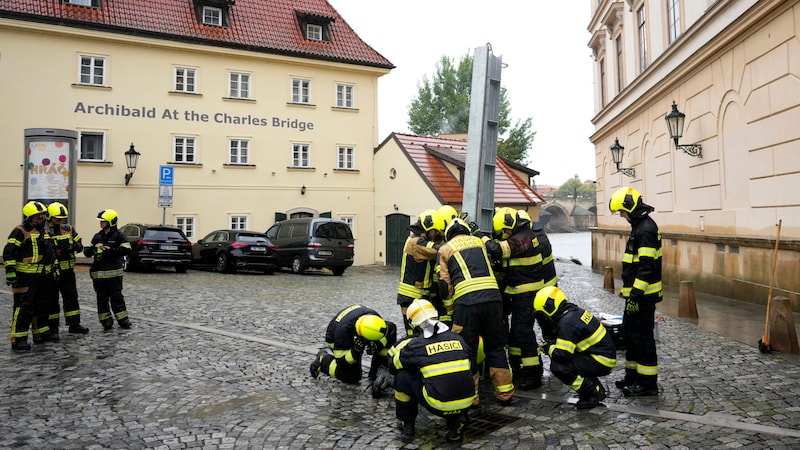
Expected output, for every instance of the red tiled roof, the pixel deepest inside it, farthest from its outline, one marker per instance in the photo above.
(427, 155)
(268, 26)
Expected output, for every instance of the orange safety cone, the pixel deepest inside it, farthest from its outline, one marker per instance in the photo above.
(763, 343)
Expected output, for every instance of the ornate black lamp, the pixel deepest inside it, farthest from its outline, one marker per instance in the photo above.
(675, 120)
(131, 160)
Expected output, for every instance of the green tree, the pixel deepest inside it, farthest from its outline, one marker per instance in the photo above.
(442, 107)
(575, 187)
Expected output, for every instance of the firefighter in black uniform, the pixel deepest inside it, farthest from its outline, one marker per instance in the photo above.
(466, 277)
(67, 243)
(582, 350)
(419, 258)
(523, 258)
(432, 369)
(641, 289)
(28, 260)
(356, 329)
(108, 248)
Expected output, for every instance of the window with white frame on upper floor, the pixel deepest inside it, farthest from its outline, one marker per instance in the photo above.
(313, 32)
(641, 35)
(346, 158)
(314, 27)
(92, 146)
(238, 222)
(673, 19)
(619, 63)
(344, 95)
(186, 224)
(212, 16)
(301, 90)
(92, 70)
(91, 3)
(239, 85)
(186, 80)
(184, 149)
(301, 155)
(351, 222)
(239, 151)
(602, 66)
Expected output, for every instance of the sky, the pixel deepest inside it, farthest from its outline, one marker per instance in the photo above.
(543, 44)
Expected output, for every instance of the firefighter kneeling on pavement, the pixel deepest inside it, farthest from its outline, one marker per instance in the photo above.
(354, 330)
(432, 369)
(583, 350)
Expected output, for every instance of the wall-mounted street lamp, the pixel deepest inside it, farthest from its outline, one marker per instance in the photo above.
(303, 190)
(675, 121)
(131, 161)
(616, 156)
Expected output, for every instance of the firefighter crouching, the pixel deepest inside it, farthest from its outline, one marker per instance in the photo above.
(67, 243)
(582, 351)
(354, 330)
(28, 260)
(109, 247)
(432, 369)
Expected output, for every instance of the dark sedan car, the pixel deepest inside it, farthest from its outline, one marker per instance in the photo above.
(156, 245)
(227, 251)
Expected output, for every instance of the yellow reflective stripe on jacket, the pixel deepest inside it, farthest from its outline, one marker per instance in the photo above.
(453, 405)
(608, 362)
(625, 291)
(394, 353)
(444, 368)
(527, 287)
(411, 291)
(473, 285)
(647, 288)
(628, 258)
(526, 261)
(565, 345)
(505, 249)
(551, 282)
(596, 337)
(103, 274)
(548, 259)
(650, 252)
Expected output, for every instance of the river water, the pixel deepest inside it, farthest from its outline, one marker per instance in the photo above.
(573, 246)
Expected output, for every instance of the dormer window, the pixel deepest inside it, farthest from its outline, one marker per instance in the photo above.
(315, 27)
(89, 3)
(212, 16)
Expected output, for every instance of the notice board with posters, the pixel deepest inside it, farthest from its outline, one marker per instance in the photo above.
(50, 163)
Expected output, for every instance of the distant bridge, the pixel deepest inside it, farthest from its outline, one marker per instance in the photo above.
(567, 215)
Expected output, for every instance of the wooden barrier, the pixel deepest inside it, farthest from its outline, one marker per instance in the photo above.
(608, 279)
(782, 333)
(687, 307)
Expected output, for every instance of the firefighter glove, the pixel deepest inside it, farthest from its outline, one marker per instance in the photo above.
(372, 348)
(474, 229)
(359, 344)
(546, 347)
(11, 277)
(77, 247)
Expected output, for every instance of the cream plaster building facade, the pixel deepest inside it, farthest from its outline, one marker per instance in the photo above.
(733, 68)
(252, 134)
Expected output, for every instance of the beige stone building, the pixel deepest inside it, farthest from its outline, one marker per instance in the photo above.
(733, 68)
(263, 109)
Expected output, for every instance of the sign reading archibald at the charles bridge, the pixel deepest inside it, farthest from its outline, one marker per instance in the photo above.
(152, 112)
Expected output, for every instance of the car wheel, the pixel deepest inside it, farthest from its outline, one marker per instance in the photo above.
(127, 263)
(297, 265)
(223, 266)
(181, 269)
(338, 271)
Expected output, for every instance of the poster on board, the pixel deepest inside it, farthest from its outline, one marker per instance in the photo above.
(50, 167)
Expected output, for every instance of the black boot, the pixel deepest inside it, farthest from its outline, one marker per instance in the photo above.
(50, 336)
(590, 394)
(629, 380)
(20, 345)
(125, 324)
(317, 364)
(530, 378)
(645, 386)
(455, 427)
(107, 324)
(407, 431)
(78, 329)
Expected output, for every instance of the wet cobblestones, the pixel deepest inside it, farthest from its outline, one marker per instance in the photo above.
(221, 362)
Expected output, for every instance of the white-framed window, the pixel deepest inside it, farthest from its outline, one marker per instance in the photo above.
(618, 62)
(301, 155)
(186, 80)
(239, 85)
(351, 222)
(602, 66)
(238, 222)
(238, 151)
(641, 31)
(186, 224)
(346, 158)
(673, 19)
(344, 95)
(92, 3)
(301, 90)
(313, 32)
(184, 149)
(212, 16)
(92, 70)
(92, 145)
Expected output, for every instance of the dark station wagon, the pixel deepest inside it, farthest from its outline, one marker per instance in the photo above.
(156, 246)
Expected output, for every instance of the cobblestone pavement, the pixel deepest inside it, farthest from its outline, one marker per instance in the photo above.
(221, 361)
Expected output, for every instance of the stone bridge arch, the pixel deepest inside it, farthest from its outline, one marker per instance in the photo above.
(558, 217)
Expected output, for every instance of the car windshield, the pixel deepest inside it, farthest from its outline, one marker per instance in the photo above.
(163, 235)
(333, 230)
(252, 239)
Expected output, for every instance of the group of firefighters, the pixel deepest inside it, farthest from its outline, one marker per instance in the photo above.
(470, 298)
(39, 260)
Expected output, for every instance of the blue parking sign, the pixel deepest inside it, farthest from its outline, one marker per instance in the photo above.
(165, 175)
